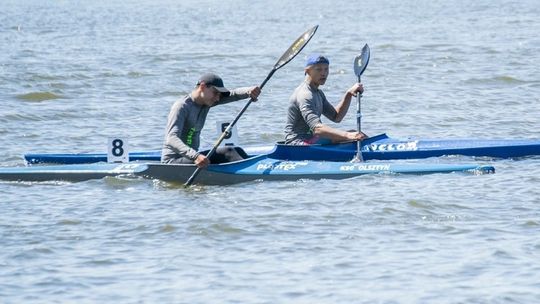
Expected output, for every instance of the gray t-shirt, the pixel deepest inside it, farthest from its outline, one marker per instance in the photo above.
(306, 106)
(185, 122)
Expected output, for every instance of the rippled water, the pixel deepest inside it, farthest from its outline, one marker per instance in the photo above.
(73, 73)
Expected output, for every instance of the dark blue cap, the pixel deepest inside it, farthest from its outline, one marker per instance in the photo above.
(215, 81)
(315, 59)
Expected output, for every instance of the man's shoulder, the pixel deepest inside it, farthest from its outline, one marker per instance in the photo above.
(303, 92)
(185, 99)
(184, 102)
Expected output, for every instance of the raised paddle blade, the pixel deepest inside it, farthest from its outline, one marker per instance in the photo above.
(360, 64)
(361, 61)
(296, 47)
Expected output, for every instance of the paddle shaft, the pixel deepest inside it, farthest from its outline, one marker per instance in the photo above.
(291, 52)
(360, 64)
(228, 130)
(359, 122)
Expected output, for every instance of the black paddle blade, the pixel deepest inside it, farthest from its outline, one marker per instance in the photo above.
(361, 61)
(296, 47)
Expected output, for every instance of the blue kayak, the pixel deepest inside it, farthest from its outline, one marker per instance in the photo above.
(380, 147)
(261, 167)
(256, 168)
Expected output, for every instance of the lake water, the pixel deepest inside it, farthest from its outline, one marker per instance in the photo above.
(73, 73)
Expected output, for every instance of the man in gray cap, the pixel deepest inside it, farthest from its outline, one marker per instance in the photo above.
(308, 103)
(187, 116)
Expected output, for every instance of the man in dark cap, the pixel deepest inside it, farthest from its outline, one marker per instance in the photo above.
(187, 116)
(308, 103)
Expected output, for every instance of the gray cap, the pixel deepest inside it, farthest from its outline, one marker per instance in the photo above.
(215, 81)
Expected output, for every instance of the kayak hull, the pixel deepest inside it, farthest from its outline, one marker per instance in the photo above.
(279, 170)
(380, 147)
(262, 167)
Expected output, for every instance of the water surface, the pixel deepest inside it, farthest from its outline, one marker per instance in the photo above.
(73, 73)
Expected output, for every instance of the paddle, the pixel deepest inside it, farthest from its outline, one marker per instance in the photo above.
(293, 50)
(360, 64)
